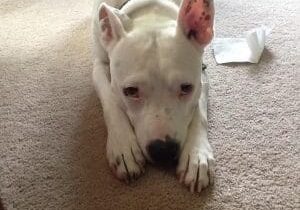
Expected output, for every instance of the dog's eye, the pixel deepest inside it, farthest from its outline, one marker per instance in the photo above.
(186, 89)
(131, 92)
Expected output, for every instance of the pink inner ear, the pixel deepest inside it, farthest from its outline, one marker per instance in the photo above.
(196, 17)
(105, 24)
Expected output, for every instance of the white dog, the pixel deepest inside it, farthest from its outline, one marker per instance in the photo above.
(148, 75)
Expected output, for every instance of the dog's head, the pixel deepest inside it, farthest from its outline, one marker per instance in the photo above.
(156, 71)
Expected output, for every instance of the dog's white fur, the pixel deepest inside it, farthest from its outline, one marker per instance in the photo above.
(149, 50)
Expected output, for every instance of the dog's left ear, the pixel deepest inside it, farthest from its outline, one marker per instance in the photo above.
(111, 26)
(195, 19)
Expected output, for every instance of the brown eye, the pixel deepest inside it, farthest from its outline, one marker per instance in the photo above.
(186, 89)
(131, 92)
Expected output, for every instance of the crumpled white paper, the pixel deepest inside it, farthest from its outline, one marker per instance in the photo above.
(247, 49)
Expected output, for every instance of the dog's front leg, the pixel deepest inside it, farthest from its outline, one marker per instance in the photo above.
(196, 161)
(195, 168)
(123, 153)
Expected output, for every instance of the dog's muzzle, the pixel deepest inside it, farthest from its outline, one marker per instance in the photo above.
(164, 153)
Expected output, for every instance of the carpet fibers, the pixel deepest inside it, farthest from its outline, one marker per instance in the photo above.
(52, 133)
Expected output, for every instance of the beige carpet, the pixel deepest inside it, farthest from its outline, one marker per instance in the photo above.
(52, 135)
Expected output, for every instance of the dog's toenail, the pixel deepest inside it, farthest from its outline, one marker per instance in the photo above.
(118, 161)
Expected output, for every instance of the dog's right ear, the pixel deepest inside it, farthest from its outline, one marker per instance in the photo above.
(196, 19)
(111, 26)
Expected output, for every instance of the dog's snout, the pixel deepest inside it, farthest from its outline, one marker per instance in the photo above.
(164, 152)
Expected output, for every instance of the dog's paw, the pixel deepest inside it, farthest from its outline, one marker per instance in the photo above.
(125, 159)
(195, 169)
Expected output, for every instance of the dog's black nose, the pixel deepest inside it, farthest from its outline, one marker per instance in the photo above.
(164, 152)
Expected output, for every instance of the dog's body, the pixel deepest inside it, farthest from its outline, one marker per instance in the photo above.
(147, 73)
